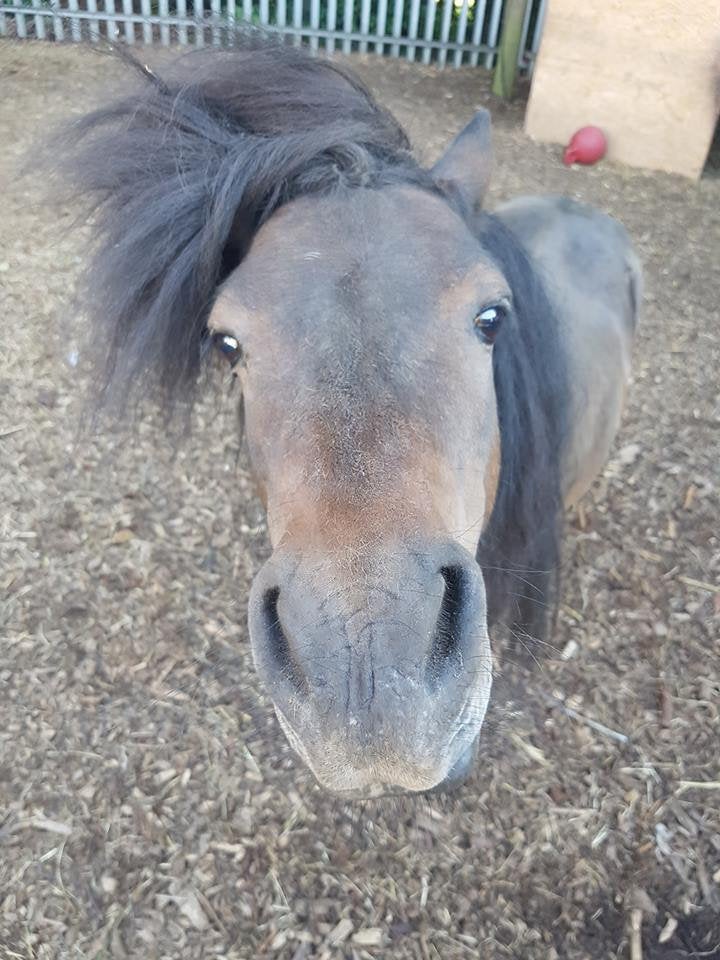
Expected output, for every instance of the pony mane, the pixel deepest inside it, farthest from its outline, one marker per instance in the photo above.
(520, 547)
(181, 173)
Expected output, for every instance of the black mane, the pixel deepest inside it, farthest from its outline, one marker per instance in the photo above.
(181, 174)
(520, 547)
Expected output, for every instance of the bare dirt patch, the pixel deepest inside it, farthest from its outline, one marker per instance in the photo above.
(149, 806)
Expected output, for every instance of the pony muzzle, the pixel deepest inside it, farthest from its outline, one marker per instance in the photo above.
(379, 667)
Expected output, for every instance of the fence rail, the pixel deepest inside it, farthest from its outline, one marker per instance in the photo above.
(455, 32)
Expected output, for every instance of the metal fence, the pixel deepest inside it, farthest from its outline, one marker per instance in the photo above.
(443, 32)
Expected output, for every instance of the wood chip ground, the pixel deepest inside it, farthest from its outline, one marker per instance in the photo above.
(149, 806)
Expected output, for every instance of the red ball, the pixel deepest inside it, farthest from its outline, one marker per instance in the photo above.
(588, 145)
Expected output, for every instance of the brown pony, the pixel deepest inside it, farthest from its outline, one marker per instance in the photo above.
(425, 385)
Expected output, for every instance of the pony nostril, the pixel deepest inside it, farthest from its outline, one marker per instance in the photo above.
(444, 651)
(278, 646)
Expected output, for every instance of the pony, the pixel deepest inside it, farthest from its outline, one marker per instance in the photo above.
(425, 385)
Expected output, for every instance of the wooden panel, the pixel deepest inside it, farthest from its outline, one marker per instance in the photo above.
(646, 71)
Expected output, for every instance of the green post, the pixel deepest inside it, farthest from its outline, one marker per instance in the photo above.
(509, 48)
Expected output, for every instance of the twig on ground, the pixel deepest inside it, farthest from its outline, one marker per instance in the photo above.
(588, 721)
(42, 823)
(700, 584)
(685, 785)
(636, 934)
(532, 751)
(9, 431)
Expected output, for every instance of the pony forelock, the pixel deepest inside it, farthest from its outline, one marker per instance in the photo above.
(179, 175)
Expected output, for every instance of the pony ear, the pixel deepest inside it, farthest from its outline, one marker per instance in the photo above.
(465, 167)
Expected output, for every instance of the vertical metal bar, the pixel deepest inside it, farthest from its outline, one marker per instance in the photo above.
(430, 12)
(314, 21)
(164, 11)
(39, 21)
(493, 30)
(111, 24)
(40, 32)
(93, 25)
(478, 21)
(181, 7)
(364, 24)
(3, 24)
(129, 28)
(230, 17)
(147, 30)
(413, 27)
(331, 24)
(460, 33)
(297, 21)
(199, 17)
(215, 14)
(381, 28)
(445, 31)
(524, 34)
(281, 13)
(20, 26)
(398, 11)
(264, 12)
(58, 29)
(539, 24)
(75, 25)
(347, 24)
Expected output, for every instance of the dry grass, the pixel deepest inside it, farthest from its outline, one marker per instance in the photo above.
(149, 806)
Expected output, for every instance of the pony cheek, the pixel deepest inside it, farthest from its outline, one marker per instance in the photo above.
(260, 489)
(472, 512)
(258, 450)
(492, 476)
(479, 484)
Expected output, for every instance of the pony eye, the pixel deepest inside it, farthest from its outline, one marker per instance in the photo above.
(488, 322)
(229, 346)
